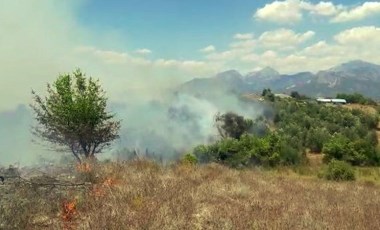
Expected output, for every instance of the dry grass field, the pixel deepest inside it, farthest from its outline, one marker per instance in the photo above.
(143, 195)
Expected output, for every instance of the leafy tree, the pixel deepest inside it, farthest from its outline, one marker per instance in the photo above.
(232, 125)
(73, 116)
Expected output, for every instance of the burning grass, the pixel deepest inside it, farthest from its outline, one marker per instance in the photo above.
(144, 195)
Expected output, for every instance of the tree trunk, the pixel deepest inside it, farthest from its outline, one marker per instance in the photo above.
(75, 154)
(77, 157)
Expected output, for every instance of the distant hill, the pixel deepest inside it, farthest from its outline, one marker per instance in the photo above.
(226, 82)
(354, 76)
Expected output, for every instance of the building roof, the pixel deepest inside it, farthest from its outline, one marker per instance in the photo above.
(338, 101)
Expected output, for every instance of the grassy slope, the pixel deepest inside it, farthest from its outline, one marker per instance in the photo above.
(142, 195)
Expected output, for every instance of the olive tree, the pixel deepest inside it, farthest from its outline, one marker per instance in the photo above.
(232, 125)
(73, 117)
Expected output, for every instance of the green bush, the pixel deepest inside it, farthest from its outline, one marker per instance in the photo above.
(189, 158)
(269, 150)
(339, 171)
(360, 152)
(206, 154)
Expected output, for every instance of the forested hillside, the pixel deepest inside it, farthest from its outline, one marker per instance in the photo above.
(293, 127)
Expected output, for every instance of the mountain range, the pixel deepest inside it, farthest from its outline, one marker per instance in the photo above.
(354, 76)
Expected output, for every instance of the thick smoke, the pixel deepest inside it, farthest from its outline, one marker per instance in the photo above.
(176, 123)
(166, 127)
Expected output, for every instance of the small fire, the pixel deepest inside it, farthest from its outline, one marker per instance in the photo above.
(99, 190)
(69, 210)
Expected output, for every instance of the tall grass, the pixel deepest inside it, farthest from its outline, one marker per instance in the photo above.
(144, 195)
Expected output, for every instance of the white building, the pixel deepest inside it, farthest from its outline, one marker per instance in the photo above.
(334, 101)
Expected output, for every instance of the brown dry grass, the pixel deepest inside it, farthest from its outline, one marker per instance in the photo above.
(143, 195)
(370, 109)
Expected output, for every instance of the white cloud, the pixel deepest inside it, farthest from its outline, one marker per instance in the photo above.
(208, 49)
(292, 11)
(143, 51)
(355, 43)
(223, 56)
(367, 36)
(244, 44)
(247, 36)
(282, 12)
(321, 8)
(237, 50)
(125, 61)
(284, 38)
(252, 57)
(365, 10)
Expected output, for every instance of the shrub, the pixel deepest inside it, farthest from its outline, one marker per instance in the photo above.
(269, 150)
(205, 154)
(189, 158)
(359, 152)
(339, 171)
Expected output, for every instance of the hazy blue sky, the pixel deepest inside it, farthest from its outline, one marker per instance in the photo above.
(146, 46)
(178, 29)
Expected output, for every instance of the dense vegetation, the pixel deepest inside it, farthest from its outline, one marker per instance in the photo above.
(339, 133)
(298, 126)
(356, 98)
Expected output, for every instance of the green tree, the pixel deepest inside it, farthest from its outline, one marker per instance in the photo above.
(232, 125)
(73, 116)
(336, 148)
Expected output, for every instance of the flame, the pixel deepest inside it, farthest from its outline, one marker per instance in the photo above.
(69, 210)
(99, 190)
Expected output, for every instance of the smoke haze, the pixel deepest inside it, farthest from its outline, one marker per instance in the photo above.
(41, 39)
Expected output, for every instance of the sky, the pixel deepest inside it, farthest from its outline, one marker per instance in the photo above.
(135, 45)
(139, 49)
